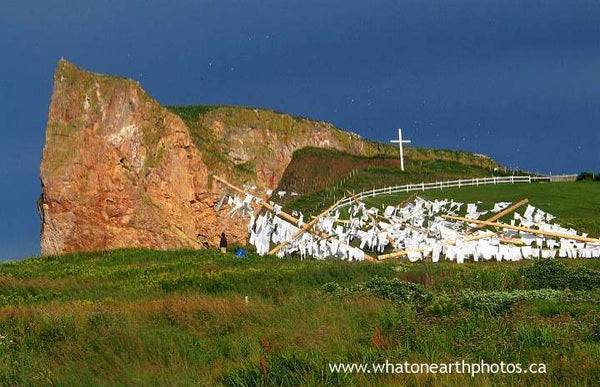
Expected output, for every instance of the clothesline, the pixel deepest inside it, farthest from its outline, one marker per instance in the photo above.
(419, 229)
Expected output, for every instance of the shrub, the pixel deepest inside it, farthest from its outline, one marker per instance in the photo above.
(553, 274)
(333, 288)
(384, 288)
(441, 306)
(395, 289)
(588, 176)
(496, 303)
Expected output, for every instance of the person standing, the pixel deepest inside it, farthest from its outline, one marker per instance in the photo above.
(223, 243)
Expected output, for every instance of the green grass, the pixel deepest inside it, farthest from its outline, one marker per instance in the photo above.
(378, 177)
(133, 317)
(575, 204)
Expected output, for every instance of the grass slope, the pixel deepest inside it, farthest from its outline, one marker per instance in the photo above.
(323, 175)
(136, 317)
(576, 204)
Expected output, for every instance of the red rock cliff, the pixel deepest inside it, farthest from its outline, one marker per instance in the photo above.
(120, 170)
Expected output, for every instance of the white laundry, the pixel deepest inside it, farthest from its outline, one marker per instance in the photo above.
(500, 206)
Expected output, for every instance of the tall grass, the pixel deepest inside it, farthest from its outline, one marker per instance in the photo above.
(191, 317)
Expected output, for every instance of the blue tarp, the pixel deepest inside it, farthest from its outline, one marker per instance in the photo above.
(239, 252)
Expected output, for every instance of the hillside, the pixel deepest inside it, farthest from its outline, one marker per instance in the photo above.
(140, 317)
(251, 145)
(322, 175)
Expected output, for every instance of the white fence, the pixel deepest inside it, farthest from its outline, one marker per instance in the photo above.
(454, 184)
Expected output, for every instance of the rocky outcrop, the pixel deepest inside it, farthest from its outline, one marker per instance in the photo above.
(120, 170)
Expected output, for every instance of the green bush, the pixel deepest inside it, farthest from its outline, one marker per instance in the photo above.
(588, 176)
(553, 274)
(441, 306)
(384, 288)
(395, 289)
(496, 303)
(333, 288)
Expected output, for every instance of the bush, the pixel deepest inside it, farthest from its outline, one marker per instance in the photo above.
(441, 306)
(590, 176)
(496, 303)
(553, 274)
(333, 288)
(384, 288)
(395, 289)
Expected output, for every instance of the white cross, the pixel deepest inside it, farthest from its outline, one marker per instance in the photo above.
(400, 141)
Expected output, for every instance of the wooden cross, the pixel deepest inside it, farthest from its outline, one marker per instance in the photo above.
(400, 141)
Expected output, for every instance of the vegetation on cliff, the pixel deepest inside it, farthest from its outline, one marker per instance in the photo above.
(207, 125)
(321, 176)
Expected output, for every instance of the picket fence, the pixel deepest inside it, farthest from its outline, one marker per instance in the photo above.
(453, 184)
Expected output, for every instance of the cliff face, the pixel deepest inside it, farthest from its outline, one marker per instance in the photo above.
(120, 170)
(256, 145)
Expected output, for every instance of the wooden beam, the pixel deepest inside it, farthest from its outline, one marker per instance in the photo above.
(472, 238)
(343, 221)
(388, 237)
(306, 227)
(480, 236)
(408, 199)
(499, 215)
(399, 254)
(514, 241)
(524, 229)
(281, 214)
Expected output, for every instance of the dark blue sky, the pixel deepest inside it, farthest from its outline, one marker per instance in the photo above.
(517, 80)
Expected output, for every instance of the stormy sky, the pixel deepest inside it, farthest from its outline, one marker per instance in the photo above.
(517, 80)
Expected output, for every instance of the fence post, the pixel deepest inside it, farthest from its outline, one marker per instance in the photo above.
(512, 179)
(423, 185)
(458, 183)
(477, 182)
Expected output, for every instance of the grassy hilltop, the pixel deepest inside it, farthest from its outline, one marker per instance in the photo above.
(321, 175)
(180, 317)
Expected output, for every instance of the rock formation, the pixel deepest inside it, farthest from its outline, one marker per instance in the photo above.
(120, 170)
